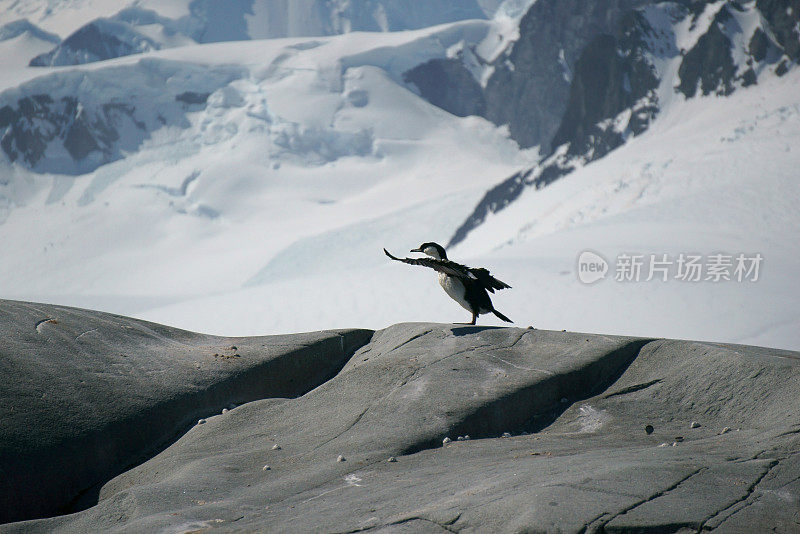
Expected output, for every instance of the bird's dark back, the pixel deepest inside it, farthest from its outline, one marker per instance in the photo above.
(476, 294)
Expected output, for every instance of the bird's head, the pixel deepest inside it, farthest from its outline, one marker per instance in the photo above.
(432, 249)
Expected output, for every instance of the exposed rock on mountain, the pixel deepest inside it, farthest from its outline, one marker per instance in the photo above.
(448, 84)
(529, 88)
(99, 40)
(82, 120)
(426, 427)
(615, 82)
(709, 64)
(782, 17)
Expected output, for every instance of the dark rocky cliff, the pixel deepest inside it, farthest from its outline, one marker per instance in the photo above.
(448, 84)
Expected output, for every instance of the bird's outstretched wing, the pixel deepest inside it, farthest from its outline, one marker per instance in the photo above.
(442, 266)
(487, 280)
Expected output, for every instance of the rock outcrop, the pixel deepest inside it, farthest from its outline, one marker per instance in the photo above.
(89, 394)
(416, 428)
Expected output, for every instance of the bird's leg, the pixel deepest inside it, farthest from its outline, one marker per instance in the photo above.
(474, 318)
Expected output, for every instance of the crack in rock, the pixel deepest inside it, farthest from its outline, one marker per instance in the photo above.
(633, 388)
(743, 500)
(601, 527)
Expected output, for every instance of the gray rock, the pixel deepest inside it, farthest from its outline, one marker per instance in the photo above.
(585, 466)
(100, 393)
(782, 17)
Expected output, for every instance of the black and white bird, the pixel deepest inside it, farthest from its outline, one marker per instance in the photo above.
(466, 285)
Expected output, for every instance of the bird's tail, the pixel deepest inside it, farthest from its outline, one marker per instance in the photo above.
(501, 316)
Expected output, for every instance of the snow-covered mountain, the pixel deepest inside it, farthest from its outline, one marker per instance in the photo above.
(248, 185)
(19, 40)
(629, 69)
(141, 26)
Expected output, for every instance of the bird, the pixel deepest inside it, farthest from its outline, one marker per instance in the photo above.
(469, 286)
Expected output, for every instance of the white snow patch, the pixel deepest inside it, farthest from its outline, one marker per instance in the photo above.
(590, 419)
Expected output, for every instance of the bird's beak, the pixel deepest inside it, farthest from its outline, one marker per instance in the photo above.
(416, 250)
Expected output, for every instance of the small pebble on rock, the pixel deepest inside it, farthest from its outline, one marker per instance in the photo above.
(674, 443)
(265, 468)
(203, 421)
(649, 429)
(446, 440)
(340, 458)
(392, 459)
(694, 424)
(276, 447)
(664, 445)
(225, 410)
(460, 438)
(506, 434)
(725, 430)
(466, 437)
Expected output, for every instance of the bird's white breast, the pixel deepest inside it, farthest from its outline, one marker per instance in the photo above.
(454, 287)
